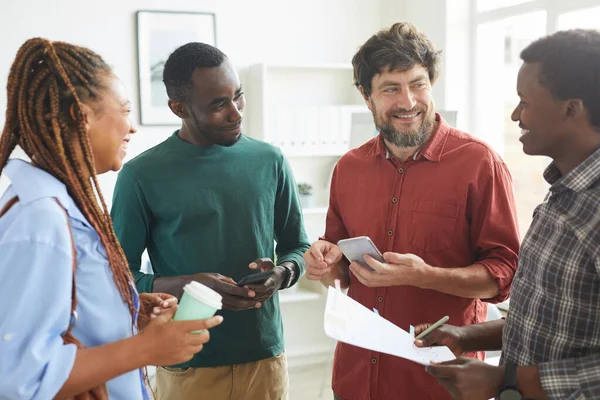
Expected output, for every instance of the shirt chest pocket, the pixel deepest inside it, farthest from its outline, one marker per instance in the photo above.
(433, 225)
(88, 242)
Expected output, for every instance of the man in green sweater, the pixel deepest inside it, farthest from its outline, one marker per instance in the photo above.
(209, 203)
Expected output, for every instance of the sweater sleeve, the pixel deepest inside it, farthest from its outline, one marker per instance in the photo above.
(131, 219)
(290, 234)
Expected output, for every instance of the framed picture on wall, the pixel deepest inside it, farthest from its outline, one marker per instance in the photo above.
(158, 34)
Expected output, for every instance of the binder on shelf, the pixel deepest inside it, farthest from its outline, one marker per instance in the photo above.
(285, 126)
(305, 130)
(272, 127)
(363, 129)
(348, 121)
(329, 132)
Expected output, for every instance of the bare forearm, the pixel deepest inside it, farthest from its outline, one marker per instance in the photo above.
(338, 271)
(486, 336)
(96, 365)
(473, 282)
(172, 285)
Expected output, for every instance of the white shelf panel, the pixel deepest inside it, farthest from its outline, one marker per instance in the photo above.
(314, 210)
(298, 295)
(342, 66)
(309, 355)
(296, 154)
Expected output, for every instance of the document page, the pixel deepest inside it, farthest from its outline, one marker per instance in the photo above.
(350, 322)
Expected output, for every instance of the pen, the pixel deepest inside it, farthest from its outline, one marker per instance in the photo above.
(432, 327)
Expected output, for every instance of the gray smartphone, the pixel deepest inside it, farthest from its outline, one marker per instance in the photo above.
(355, 248)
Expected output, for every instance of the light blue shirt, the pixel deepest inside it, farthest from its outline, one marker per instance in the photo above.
(36, 281)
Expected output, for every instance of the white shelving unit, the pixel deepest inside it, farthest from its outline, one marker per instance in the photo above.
(299, 295)
(305, 340)
(315, 211)
(306, 110)
(315, 114)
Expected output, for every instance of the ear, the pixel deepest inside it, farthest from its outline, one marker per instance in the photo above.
(86, 111)
(366, 98)
(575, 108)
(178, 108)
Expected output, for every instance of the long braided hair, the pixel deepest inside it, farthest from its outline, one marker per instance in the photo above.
(47, 84)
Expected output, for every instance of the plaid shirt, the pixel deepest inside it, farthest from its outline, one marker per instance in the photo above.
(554, 318)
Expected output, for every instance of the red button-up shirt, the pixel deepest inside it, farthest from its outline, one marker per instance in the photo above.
(452, 205)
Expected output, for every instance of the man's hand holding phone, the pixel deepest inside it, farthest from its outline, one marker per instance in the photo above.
(374, 269)
(266, 282)
(235, 298)
(395, 270)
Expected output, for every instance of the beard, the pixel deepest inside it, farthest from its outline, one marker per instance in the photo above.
(408, 138)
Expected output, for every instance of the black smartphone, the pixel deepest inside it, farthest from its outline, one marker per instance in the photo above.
(255, 279)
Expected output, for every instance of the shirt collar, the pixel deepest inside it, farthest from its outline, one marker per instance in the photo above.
(31, 183)
(431, 150)
(578, 179)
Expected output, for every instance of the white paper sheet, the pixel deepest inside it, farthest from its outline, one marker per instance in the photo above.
(350, 322)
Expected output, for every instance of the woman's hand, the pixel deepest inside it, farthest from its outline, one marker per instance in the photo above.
(152, 305)
(168, 342)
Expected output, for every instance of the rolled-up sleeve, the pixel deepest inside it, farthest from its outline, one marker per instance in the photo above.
(36, 287)
(495, 229)
(572, 378)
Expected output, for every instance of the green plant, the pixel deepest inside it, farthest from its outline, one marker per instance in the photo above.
(304, 189)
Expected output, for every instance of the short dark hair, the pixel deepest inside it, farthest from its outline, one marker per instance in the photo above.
(180, 65)
(400, 47)
(570, 67)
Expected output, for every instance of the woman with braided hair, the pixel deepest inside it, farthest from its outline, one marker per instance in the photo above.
(71, 330)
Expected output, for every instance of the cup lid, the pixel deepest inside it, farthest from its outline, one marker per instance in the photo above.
(204, 294)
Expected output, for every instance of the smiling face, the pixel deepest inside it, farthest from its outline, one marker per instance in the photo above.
(541, 116)
(109, 125)
(402, 106)
(214, 111)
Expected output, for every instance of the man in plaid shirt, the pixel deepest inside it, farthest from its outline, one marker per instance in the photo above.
(551, 337)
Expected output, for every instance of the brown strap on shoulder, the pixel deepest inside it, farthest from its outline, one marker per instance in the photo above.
(99, 392)
(8, 205)
(14, 201)
(74, 267)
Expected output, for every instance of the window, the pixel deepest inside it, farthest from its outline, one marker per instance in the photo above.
(502, 29)
(499, 44)
(486, 5)
(587, 18)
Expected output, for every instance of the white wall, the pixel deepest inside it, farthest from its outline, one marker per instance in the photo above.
(429, 16)
(445, 22)
(248, 31)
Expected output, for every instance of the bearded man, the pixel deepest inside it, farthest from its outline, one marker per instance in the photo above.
(436, 201)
